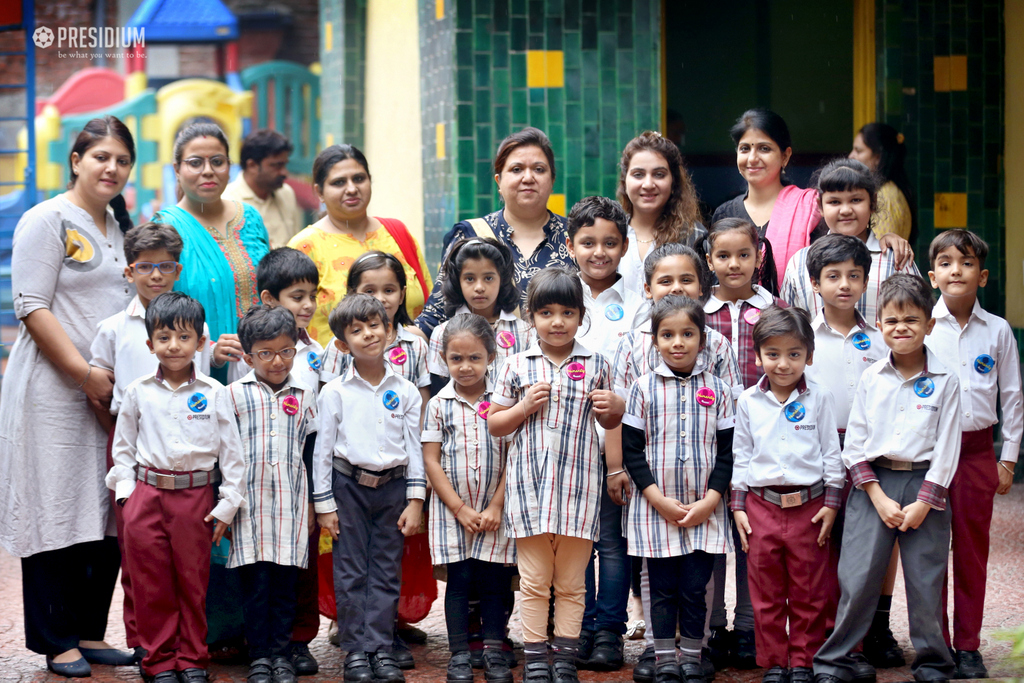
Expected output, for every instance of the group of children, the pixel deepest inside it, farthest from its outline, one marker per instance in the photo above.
(592, 419)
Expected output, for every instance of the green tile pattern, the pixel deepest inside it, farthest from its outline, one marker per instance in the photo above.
(474, 80)
(341, 99)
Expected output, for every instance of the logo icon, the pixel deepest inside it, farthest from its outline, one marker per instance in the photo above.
(43, 37)
(506, 339)
(314, 361)
(984, 363)
(290, 404)
(752, 316)
(390, 400)
(576, 371)
(614, 312)
(197, 403)
(398, 356)
(485, 407)
(795, 412)
(862, 341)
(924, 387)
(706, 396)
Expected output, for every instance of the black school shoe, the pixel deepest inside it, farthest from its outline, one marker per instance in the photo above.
(303, 660)
(969, 664)
(644, 669)
(284, 671)
(194, 675)
(707, 665)
(720, 647)
(385, 668)
(402, 655)
(584, 648)
(260, 671)
(607, 654)
(744, 654)
(881, 648)
(536, 672)
(775, 674)
(863, 672)
(357, 668)
(564, 671)
(801, 674)
(691, 672)
(496, 668)
(459, 668)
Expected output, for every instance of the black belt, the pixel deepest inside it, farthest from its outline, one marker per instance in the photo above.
(793, 499)
(368, 478)
(175, 481)
(901, 465)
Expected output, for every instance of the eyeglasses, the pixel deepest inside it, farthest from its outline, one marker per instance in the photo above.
(146, 267)
(266, 355)
(197, 164)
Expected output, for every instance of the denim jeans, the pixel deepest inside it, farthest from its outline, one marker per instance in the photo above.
(608, 593)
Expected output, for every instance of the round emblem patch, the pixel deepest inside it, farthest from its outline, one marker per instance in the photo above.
(752, 316)
(314, 361)
(706, 396)
(614, 312)
(506, 339)
(576, 371)
(924, 387)
(398, 356)
(984, 363)
(862, 341)
(795, 412)
(390, 400)
(485, 407)
(197, 402)
(290, 404)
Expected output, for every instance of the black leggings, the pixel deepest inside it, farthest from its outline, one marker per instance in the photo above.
(677, 593)
(269, 607)
(488, 579)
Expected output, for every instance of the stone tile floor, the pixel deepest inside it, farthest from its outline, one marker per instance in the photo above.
(1004, 611)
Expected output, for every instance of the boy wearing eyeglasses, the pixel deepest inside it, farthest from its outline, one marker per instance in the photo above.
(151, 251)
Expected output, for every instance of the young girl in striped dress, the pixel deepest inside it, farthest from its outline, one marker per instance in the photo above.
(466, 467)
(549, 398)
(677, 447)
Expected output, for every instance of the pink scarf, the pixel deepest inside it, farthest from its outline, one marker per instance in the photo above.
(795, 215)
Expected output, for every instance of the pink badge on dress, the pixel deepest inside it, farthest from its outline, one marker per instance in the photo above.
(290, 405)
(752, 316)
(485, 407)
(706, 397)
(398, 356)
(576, 371)
(506, 339)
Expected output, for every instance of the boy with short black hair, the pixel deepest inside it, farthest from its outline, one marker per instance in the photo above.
(175, 439)
(902, 448)
(982, 348)
(368, 459)
(787, 484)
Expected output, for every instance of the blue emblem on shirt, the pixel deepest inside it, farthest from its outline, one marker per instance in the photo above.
(862, 341)
(795, 412)
(197, 402)
(390, 400)
(984, 363)
(924, 387)
(314, 361)
(614, 312)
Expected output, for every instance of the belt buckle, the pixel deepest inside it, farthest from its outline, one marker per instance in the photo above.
(792, 500)
(165, 481)
(902, 465)
(370, 480)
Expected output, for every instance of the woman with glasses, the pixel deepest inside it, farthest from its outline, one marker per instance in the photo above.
(224, 242)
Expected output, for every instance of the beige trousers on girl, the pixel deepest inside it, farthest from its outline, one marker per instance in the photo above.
(547, 560)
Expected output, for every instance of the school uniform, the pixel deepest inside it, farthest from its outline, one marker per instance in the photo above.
(903, 433)
(840, 360)
(407, 356)
(787, 467)
(473, 461)
(511, 336)
(368, 464)
(610, 316)
(553, 484)
(984, 355)
(797, 289)
(178, 441)
(735, 321)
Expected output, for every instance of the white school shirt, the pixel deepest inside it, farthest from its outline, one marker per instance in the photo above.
(372, 427)
(120, 346)
(797, 289)
(555, 470)
(188, 429)
(473, 461)
(407, 356)
(791, 443)
(511, 336)
(984, 354)
(913, 419)
(306, 367)
(680, 417)
(840, 360)
(610, 316)
(274, 425)
(631, 267)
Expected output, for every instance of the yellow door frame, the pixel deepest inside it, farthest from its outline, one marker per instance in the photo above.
(864, 92)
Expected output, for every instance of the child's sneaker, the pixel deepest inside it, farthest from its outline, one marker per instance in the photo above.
(496, 669)
(385, 668)
(691, 672)
(667, 672)
(459, 668)
(565, 671)
(536, 672)
(357, 668)
(775, 674)
(260, 671)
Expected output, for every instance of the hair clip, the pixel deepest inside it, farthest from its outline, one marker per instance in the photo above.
(899, 138)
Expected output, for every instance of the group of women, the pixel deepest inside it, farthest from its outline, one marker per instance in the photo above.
(68, 274)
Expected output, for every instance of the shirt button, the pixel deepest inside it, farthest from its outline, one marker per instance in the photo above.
(555, 398)
(381, 449)
(967, 414)
(783, 437)
(897, 432)
(273, 416)
(682, 433)
(380, 420)
(901, 407)
(683, 417)
(848, 361)
(963, 362)
(476, 443)
(273, 433)
(851, 384)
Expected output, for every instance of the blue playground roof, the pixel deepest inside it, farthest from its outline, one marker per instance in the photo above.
(185, 21)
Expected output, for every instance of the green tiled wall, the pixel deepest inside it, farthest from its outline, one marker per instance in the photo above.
(341, 99)
(954, 139)
(474, 81)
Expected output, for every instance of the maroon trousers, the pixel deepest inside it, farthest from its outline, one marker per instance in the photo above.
(970, 500)
(787, 573)
(130, 629)
(167, 545)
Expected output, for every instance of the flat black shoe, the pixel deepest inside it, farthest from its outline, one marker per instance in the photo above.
(536, 672)
(584, 648)
(882, 650)
(707, 664)
(863, 672)
(667, 672)
(385, 668)
(607, 654)
(284, 671)
(643, 670)
(261, 671)
(357, 668)
(970, 664)
(459, 668)
(107, 656)
(691, 672)
(496, 669)
(194, 675)
(775, 674)
(76, 669)
(564, 671)
(720, 647)
(827, 678)
(402, 655)
(303, 660)
(162, 677)
(801, 674)
(744, 650)
(411, 634)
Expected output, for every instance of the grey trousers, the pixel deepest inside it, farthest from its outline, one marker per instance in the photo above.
(367, 562)
(924, 553)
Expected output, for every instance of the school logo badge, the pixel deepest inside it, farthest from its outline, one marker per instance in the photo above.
(314, 361)
(398, 356)
(706, 396)
(984, 363)
(924, 387)
(197, 403)
(752, 316)
(390, 400)
(576, 371)
(506, 339)
(485, 407)
(614, 312)
(861, 341)
(290, 404)
(795, 412)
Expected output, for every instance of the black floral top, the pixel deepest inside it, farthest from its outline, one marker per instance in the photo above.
(552, 252)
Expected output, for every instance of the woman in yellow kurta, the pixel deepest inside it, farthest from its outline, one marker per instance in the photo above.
(880, 147)
(341, 178)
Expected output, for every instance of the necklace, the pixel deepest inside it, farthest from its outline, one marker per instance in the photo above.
(645, 241)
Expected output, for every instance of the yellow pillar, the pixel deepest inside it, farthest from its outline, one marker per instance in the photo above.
(863, 63)
(394, 141)
(1014, 147)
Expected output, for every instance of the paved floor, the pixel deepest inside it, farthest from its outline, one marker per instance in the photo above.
(1004, 610)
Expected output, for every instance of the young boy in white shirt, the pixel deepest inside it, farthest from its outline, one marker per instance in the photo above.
(982, 349)
(902, 448)
(787, 485)
(368, 466)
(175, 439)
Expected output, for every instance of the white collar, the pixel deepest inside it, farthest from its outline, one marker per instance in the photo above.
(289, 383)
(448, 392)
(578, 350)
(820, 322)
(662, 369)
(135, 308)
(762, 299)
(502, 315)
(941, 311)
(351, 375)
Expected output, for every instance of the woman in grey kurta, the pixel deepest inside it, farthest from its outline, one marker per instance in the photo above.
(67, 275)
